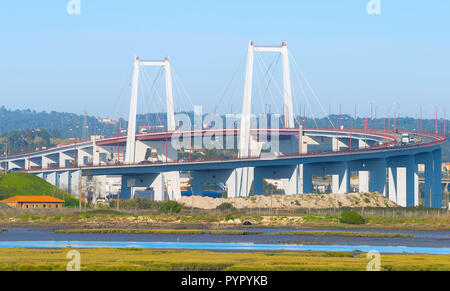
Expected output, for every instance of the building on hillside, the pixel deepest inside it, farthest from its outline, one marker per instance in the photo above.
(106, 120)
(36, 202)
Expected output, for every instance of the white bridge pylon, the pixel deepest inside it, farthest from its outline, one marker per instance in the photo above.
(288, 111)
(130, 156)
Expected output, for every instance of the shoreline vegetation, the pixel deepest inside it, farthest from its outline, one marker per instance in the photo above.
(236, 232)
(134, 259)
(344, 234)
(161, 231)
(199, 219)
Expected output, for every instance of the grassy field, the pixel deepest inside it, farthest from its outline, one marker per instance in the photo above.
(23, 184)
(131, 259)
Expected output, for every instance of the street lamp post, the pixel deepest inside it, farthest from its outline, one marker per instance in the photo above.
(29, 147)
(6, 153)
(75, 158)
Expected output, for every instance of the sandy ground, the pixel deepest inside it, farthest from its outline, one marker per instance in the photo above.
(312, 201)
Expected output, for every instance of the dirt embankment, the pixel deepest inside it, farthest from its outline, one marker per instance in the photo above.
(311, 201)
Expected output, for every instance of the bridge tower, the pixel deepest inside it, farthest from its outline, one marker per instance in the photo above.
(245, 175)
(170, 180)
(130, 156)
(288, 111)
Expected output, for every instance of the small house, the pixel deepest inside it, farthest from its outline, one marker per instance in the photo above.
(34, 202)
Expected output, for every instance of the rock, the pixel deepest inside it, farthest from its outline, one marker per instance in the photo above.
(250, 222)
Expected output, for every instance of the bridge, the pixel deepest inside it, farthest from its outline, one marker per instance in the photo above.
(275, 147)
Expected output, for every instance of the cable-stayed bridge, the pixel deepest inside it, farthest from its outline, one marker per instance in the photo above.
(272, 146)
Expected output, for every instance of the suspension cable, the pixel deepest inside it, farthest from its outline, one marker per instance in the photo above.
(238, 69)
(311, 89)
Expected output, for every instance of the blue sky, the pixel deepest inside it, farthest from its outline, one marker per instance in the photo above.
(50, 60)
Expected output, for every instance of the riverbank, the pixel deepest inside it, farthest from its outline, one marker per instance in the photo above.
(393, 220)
(134, 259)
(236, 232)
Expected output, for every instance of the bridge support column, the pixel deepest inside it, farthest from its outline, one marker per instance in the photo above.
(51, 178)
(290, 176)
(244, 180)
(197, 188)
(405, 184)
(84, 156)
(416, 184)
(64, 180)
(227, 177)
(4, 165)
(125, 191)
(155, 181)
(429, 173)
(362, 144)
(392, 184)
(158, 188)
(363, 179)
(10, 165)
(165, 152)
(377, 182)
(47, 161)
(258, 181)
(172, 180)
(371, 175)
(339, 143)
(75, 180)
(32, 163)
(341, 180)
(306, 179)
(401, 181)
(64, 160)
(436, 197)
(18, 164)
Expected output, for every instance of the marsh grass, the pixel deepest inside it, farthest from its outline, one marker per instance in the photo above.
(105, 259)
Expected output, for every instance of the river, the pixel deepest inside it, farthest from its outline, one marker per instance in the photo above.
(430, 242)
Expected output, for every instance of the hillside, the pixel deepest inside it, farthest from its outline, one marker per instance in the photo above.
(23, 184)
